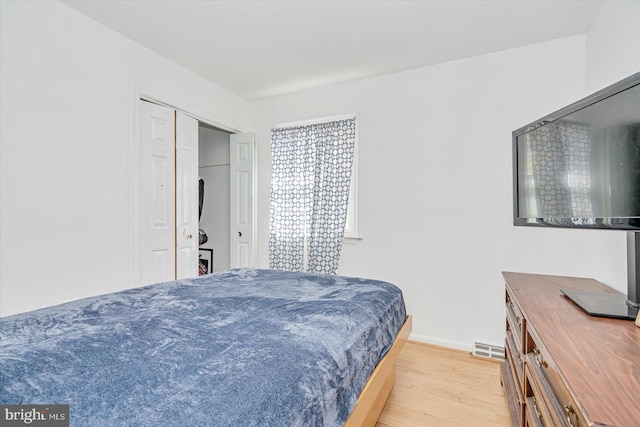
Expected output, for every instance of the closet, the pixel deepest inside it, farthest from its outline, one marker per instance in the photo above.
(166, 197)
(214, 171)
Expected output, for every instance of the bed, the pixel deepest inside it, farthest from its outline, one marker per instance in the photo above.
(244, 347)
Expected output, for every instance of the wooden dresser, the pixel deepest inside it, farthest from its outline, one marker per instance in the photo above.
(562, 366)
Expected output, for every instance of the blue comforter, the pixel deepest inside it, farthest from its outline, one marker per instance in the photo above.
(238, 348)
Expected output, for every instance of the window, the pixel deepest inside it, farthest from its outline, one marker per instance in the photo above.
(312, 187)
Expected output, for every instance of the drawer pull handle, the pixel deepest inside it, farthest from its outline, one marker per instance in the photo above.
(535, 407)
(539, 359)
(568, 411)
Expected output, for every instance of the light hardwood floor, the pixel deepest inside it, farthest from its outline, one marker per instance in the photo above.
(439, 387)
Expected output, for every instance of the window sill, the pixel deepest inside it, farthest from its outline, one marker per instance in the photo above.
(352, 240)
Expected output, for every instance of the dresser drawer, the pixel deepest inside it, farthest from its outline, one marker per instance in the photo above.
(537, 410)
(532, 419)
(512, 396)
(544, 375)
(515, 321)
(516, 362)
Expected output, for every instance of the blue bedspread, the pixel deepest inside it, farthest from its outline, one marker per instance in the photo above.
(238, 348)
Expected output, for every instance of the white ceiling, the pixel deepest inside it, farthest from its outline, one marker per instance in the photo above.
(256, 49)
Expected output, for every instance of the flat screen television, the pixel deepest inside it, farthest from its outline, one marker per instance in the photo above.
(579, 167)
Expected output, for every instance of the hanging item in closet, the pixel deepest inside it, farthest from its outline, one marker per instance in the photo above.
(202, 236)
(200, 196)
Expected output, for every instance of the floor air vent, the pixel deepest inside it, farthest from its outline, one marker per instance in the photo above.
(488, 350)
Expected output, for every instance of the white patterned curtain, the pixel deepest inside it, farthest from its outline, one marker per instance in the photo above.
(311, 175)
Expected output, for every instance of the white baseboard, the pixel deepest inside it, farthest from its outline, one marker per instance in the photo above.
(442, 343)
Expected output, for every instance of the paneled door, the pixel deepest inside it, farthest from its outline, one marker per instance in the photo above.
(242, 201)
(186, 196)
(168, 194)
(157, 194)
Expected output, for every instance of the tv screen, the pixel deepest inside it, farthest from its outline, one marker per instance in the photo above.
(580, 166)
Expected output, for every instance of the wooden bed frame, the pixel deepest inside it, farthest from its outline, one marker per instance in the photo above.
(376, 391)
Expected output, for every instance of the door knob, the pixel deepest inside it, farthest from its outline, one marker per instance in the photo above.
(239, 233)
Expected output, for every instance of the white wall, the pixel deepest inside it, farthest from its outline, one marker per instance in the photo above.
(435, 183)
(214, 154)
(613, 44)
(435, 164)
(66, 129)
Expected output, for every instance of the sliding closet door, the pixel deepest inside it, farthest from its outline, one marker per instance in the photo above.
(157, 194)
(168, 194)
(187, 196)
